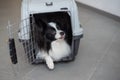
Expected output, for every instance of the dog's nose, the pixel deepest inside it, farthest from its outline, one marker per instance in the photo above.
(62, 33)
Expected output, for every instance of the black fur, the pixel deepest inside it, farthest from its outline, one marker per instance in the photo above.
(41, 34)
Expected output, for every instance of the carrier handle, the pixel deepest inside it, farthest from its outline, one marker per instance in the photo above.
(49, 3)
(12, 51)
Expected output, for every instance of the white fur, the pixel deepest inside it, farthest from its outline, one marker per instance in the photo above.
(52, 24)
(59, 49)
(57, 36)
(43, 55)
(49, 62)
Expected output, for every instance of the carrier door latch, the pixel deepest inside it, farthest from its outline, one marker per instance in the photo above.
(49, 3)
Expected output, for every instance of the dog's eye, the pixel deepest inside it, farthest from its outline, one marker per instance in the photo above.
(53, 33)
(48, 35)
(58, 27)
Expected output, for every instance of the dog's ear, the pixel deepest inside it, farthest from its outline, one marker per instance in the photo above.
(43, 23)
(40, 21)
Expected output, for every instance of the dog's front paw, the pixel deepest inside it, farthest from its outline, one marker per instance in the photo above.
(50, 65)
(49, 62)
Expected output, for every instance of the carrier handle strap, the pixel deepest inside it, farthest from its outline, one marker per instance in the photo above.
(12, 51)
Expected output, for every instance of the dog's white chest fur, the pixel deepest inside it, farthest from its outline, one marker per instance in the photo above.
(59, 49)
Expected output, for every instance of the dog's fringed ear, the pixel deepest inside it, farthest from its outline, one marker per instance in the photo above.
(40, 21)
(43, 23)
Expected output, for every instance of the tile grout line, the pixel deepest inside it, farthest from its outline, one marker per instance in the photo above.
(100, 60)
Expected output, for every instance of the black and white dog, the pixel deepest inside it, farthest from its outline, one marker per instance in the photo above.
(51, 42)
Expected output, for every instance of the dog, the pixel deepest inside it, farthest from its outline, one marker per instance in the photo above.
(51, 41)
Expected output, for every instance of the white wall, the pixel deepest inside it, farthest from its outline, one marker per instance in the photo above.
(111, 6)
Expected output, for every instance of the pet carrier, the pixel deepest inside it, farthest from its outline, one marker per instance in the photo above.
(62, 11)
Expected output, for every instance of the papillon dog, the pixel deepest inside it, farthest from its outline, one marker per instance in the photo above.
(52, 44)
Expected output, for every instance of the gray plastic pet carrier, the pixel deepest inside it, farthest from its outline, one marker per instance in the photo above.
(63, 11)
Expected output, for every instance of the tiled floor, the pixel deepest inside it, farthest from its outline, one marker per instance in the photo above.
(97, 59)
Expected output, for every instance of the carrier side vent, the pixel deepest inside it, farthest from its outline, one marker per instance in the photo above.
(64, 8)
